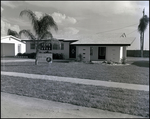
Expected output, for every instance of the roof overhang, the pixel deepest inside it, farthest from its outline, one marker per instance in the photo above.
(105, 42)
(50, 40)
(10, 36)
(101, 44)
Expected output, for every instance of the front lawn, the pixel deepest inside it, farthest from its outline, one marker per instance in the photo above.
(136, 73)
(113, 99)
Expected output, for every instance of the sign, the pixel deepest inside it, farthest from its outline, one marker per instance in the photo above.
(45, 57)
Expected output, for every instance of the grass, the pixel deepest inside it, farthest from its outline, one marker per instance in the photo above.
(113, 99)
(136, 73)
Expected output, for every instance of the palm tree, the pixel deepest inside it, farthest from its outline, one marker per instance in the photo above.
(41, 28)
(13, 33)
(141, 28)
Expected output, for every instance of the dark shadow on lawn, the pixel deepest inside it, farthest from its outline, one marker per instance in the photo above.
(141, 63)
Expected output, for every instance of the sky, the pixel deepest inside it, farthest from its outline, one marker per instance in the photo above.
(78, 19)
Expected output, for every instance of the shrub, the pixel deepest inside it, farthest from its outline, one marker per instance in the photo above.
(123, 60)
(58, 56)
(19, 54)
(31, 55)
(80, 57)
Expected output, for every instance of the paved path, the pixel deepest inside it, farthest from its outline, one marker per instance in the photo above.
(14, 106)
(19, 60)
(79, 81)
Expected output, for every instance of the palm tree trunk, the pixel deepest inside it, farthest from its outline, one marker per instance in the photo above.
(143, 46)
(36, 56)
(141, 35)
(142, 43)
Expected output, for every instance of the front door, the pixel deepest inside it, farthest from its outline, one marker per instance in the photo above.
(72, 51)
(101, 52)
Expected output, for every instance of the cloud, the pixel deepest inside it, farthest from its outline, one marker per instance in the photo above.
(5, 26)
(61, 18)
(8, 3)
(20, 22)
(38, 14)
(98, 7)
(70, 31)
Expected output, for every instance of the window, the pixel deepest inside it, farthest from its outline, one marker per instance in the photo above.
(55, 46)
(58, 46)
(32, 46)
(46, 46)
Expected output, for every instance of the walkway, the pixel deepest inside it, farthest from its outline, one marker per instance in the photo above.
(18, 60)
(14, 106)
(79, 81)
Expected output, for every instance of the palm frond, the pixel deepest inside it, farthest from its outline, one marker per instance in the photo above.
(13, 33)
(46, 35)
(32, 16)
(47, 22)
(143, 23)
(28, 34)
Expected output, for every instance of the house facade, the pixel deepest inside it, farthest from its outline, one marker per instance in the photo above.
(11, 46)
(62, 47)
(100, 53)
(110, 49)
(91, 49)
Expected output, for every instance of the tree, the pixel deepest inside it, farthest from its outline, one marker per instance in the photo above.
(141, 28)
(13, 33)
(41, 28)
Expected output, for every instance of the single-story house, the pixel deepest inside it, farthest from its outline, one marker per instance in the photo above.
(109, 49)
(11, 46)
(91, 49)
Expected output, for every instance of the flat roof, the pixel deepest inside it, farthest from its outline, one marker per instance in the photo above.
(53, 39)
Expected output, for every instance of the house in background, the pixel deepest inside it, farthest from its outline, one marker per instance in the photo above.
(93, 48)
(11, 46)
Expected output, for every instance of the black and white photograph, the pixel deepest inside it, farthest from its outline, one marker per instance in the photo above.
(74, 59)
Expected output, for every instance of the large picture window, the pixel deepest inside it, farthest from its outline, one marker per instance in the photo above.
(46, 46)
(58, 46)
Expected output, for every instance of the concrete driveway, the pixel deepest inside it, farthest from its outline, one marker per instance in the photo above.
(14, 106)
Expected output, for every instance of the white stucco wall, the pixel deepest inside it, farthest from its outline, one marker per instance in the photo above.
(121, 52)
(84, 51)
(113, 53)
(6, 43)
